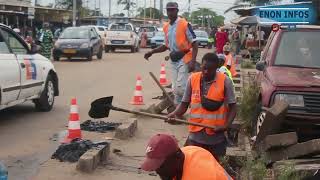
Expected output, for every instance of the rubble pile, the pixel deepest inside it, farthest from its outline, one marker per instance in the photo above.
(71, 152)
(98, 126)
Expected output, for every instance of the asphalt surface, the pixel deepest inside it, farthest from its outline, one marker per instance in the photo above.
(27, 136)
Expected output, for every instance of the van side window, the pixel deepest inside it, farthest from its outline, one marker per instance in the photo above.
(4, 49)
(16, 46)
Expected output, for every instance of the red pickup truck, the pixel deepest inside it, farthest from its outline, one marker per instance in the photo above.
(289, 69)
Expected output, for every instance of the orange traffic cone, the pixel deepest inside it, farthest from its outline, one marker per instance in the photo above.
(138, 98)
(74, 130)
(163, 78)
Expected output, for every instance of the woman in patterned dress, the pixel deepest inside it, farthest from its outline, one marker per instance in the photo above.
(46, 39)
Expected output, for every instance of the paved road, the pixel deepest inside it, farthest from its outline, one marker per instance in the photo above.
(25, 135)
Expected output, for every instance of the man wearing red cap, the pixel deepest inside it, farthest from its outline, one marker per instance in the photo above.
(188, 163)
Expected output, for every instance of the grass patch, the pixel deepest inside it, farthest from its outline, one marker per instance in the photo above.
(250, 95)
(247, 64)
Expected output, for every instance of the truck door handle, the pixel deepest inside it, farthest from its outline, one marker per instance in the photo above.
(22, 65)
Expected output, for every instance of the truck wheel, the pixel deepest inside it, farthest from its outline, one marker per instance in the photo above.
(56, 58)
(46, 100)
(259, 117)
(113, 49)
(137, 49)
(133, 49)
(100, 53)
(106, 49)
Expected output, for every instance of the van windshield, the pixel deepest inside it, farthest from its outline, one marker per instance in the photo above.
(299, 49)
(120, 27)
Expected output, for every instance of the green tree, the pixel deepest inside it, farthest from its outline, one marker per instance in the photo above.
(206, 17)
(186, 15)
(248, 3)
(67, 4)
(128, 5)
(150, 13)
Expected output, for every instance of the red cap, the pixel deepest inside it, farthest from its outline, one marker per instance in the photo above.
(158, 149)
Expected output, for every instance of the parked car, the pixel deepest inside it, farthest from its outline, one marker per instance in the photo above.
(202, 38)
(78, 42)
(150, 30)
(102, 31)
(24, 74)
(122, 36)
(289, 70)
(157, 40)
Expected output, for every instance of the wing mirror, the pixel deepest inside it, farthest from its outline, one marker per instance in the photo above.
(261, 65)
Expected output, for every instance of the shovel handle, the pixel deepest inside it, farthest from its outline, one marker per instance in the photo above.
(163, 90)
(160, 117)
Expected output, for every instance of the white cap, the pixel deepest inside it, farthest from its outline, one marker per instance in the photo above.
(16, 30)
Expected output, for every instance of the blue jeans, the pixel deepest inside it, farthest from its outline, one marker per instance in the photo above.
(180, 75)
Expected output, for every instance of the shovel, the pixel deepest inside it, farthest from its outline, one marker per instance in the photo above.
(100, 108)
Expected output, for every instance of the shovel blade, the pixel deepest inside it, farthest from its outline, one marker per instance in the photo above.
(100, 108)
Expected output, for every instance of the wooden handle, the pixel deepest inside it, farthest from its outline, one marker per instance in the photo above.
(163, 90)
(161, 117)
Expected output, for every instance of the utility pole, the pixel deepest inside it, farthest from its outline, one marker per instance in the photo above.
(109, 9)
(74, 12)
(189, 7)
(161, 11)
(144, 12)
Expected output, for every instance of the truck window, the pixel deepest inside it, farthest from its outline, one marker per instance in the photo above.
(121, 27)
(4, 49)
(148, 29)
(299, 49)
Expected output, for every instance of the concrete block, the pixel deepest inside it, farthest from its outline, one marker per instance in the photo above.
(276, 141)
(90, 160)
(304, 167)
(236, 80)
(164, 104)
(127, 130)
(273, 121)
(308, 148)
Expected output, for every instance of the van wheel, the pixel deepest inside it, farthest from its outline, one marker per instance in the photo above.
(133, 49)
(106, 49)
(46, 100)
(89, 57)
(259, 117)
(56, 58)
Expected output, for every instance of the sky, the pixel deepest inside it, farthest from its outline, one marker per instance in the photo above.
(219, 6)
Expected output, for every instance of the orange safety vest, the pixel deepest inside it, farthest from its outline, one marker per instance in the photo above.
(200, 164)
(200, 115)
(181, 38)
(233, 66)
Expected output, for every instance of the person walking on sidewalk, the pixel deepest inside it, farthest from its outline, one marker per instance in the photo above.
(211, 97)
(164, 156)
(181, 41)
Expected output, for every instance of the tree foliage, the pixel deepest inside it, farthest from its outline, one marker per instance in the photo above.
(67, 4)
(150, 13)
(206, 17)
(128, 5)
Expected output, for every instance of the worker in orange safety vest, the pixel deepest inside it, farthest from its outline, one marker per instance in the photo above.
(164, 156)
(181, 41)
(212, 101)
(229, 60)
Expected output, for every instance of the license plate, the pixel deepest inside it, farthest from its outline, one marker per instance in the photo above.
(117, 42)
(203, 43)
(69, 51)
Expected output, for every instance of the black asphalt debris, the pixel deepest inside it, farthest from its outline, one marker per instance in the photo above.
(72, 151)
(99, 126)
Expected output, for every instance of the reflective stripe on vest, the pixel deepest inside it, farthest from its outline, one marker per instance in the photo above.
(200, 115)
(181, 38)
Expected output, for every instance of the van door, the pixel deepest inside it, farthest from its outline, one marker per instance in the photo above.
(9, 74)
(31, 76)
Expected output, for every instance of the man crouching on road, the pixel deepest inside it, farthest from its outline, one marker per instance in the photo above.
(164, 156)
(212, 101)
(181, 40)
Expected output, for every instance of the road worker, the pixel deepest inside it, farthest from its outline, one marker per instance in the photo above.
(181, 41)
(229, 61)
(164, 156)
(211, 97)
(223, 68)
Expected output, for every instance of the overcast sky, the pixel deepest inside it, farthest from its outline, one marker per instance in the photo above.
(218, 6)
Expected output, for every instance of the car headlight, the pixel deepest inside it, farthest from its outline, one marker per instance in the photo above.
(84, 45)
(56, 45)
(292, 99)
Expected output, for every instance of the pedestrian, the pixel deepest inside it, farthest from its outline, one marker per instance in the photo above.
(144, 38)
(260, 36)
(229, 60)
(181, 41)
(235, 41)
(164, 156)
(212, 37)
(222, 68)
(46, 40)
(210, 95)
(221, 40)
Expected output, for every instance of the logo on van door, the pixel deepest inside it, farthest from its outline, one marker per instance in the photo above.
(31, 69)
